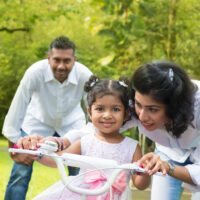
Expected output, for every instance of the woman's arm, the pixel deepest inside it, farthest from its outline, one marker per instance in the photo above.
(74, 134)
(179, 172)
(141, 181)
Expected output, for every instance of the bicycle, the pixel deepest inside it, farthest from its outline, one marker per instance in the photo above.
(49, 148)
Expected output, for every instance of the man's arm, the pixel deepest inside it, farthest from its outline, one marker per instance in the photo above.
(15, 116)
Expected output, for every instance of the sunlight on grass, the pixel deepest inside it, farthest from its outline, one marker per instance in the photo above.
(5, 169)
(3, 143)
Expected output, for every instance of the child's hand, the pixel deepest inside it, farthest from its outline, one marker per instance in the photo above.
(57, 140)
(29, 142)
(151, 161)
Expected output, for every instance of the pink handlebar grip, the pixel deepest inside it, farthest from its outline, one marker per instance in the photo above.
(15, 146)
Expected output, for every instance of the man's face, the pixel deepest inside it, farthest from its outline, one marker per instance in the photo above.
(61, 62)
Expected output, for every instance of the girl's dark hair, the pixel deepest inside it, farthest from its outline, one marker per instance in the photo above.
(97, 88)
(169, 84)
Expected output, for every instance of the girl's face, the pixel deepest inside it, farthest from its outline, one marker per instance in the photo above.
(151, 113)
(107, 114)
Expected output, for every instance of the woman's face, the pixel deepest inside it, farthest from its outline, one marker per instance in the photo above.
(151, 113)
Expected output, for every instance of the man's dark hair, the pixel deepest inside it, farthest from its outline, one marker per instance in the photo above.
(62, 42)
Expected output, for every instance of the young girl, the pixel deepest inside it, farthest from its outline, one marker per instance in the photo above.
(108, 107)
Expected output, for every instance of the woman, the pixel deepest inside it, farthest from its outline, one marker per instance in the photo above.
(167, 106)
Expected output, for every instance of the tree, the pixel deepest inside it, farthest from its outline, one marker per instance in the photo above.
(26, 29)
(143, 30)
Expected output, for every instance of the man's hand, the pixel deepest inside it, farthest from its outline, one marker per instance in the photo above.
(22, 158)
(25, 159)
(30, 142)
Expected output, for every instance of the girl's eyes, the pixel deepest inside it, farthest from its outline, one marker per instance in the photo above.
(99, 108)
(116, 109)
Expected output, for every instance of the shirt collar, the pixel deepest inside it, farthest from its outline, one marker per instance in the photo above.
(72, 77)
(48, 75)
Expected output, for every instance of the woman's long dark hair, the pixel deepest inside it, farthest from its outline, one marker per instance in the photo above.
(169, 84)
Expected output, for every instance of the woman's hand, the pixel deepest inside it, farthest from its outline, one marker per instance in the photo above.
(151, 161)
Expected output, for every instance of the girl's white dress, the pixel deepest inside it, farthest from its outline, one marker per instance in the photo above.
(91, 146)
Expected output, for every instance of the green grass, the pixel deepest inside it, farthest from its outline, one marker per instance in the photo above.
(145, 195)
(3, 143)
(43, 177)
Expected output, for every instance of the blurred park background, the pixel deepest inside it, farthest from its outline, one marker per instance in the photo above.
(112, 37)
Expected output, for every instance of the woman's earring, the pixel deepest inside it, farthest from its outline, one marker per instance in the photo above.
(169, 126)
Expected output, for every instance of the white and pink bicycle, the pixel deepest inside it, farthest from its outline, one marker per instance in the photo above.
(66, 159)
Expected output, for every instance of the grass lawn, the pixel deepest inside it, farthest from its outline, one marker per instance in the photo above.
(43, 177)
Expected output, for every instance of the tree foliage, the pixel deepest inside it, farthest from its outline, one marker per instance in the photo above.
(112, 37)
(139, 31)
(26, 29)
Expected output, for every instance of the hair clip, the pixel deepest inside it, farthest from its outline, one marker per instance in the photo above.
(94, 82)
(123, 84)
(130, 103)
(171, 74)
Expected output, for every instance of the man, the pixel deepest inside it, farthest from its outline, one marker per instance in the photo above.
(47, 102)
